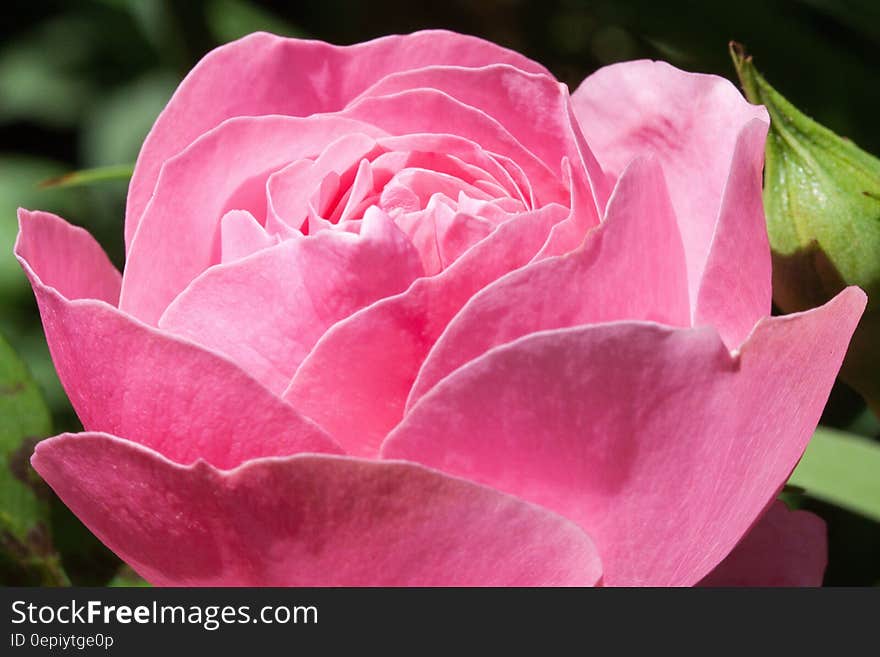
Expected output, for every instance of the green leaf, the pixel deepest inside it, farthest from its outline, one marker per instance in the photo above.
(27, 555)
(819, 188)
(89, 176)
(791, 496)
(822, 201)
(865, 424)
(126, 577)
(842, 469)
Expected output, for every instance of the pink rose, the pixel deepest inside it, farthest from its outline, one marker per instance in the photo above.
(406, 312)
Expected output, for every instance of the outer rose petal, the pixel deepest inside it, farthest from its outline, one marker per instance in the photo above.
(226, 169)
(266, 312)
(657, 441)
(265, 74)
(67, 257)
(735, 290)
(629, 267)
(785, 548)
(356, 380)
(308, 520)
(689, 120)
(126, 377)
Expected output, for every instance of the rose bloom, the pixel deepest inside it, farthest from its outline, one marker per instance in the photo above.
(408, 313)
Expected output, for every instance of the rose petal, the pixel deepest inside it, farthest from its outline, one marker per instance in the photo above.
(457, 232)
(441, 234)
(356, 380)
(308, 520)
(657, 441)
(125, 377)
(690, 121)
(435, 150)
(360, 190)
(225, 169)
(569, 234)
(242, 235)
(266, 312)
(265, 74)
(735, 289)
(432, 111)
(534, 108)
(785, 548)
(630, 267)
(290, 189)
(424, 183)
(67, 257)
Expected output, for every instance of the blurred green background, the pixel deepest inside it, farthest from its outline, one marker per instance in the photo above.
(81, 82)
